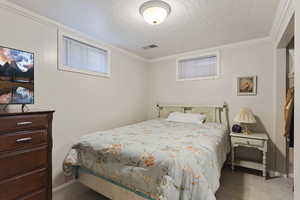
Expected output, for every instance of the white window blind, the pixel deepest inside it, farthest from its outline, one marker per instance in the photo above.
(198, 67)
(84, 57)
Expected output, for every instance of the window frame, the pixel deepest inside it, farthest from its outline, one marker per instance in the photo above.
(202, 55)
(90, 43)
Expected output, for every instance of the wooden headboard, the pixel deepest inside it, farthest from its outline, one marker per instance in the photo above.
(217, 114)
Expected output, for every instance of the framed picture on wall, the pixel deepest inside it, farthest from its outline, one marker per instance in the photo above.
(247, 86)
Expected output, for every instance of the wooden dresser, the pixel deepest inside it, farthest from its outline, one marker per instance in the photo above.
(26, 155)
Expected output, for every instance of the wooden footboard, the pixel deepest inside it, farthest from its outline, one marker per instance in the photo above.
(107, 188)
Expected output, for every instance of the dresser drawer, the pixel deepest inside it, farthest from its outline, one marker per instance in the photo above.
(16, 188)
(23, 122)
(246, 141)
(17, 163)
(21, 140)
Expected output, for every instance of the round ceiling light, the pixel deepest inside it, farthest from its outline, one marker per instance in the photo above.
(155, 12)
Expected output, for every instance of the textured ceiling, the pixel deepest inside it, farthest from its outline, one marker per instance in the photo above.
(192, 24)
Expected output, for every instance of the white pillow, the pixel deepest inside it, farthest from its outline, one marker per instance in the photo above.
(196, 118)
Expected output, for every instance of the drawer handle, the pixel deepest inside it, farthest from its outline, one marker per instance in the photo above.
(23, 123)
(24, 140)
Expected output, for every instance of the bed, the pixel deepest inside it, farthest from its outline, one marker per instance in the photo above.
(155, 159)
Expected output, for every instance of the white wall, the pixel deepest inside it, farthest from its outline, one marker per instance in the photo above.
(82, 103)
(297, 104)
(282, 33)
(280, 94)
(244, 59)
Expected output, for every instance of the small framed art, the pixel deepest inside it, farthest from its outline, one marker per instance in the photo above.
(247, 86)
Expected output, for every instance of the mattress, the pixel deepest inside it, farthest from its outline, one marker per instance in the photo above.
(160, 159)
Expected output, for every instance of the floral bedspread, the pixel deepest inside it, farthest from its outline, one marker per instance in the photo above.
(163, 160)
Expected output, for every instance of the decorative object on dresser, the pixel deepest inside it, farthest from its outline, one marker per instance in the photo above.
(16, 77)
(247, 86)
(245, 117)
(26, 155)
(255, 140)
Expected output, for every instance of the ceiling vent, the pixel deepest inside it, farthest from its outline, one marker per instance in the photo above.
(151, 46)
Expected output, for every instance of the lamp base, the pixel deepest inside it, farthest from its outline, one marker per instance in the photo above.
(246, 130)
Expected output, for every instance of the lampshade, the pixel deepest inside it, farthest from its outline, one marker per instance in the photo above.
(245, 116)
(155, 11)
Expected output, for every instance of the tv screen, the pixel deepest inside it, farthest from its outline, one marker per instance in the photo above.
(16, 76)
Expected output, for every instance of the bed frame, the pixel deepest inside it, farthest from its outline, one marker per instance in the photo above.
(217, 114)
(115, 191)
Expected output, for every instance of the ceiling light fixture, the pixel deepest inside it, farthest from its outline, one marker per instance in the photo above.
(155, 12)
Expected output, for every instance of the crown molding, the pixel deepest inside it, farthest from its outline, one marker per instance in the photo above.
(286, 6)
(216, 48)
(283, 16)
(4, 4)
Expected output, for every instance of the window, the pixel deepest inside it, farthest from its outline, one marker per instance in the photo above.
(199, 67)
(81, 57)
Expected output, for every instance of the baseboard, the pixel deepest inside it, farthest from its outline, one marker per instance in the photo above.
(63, 186)
(271, 173)
(280, 174)
(274, 173)
(291, 175)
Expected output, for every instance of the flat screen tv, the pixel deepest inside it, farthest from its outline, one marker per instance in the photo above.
(16, 76)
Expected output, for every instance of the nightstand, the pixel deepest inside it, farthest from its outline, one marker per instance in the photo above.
(253, 140)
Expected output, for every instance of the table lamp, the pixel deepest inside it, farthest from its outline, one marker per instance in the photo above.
(245, 116)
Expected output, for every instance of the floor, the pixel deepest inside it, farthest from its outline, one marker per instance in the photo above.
(239, 185)
(249, 185)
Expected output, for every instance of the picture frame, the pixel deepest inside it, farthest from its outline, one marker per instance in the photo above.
(247, 86)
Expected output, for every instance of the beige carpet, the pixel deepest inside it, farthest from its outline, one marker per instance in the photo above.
(239, 185)
(246, 185)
